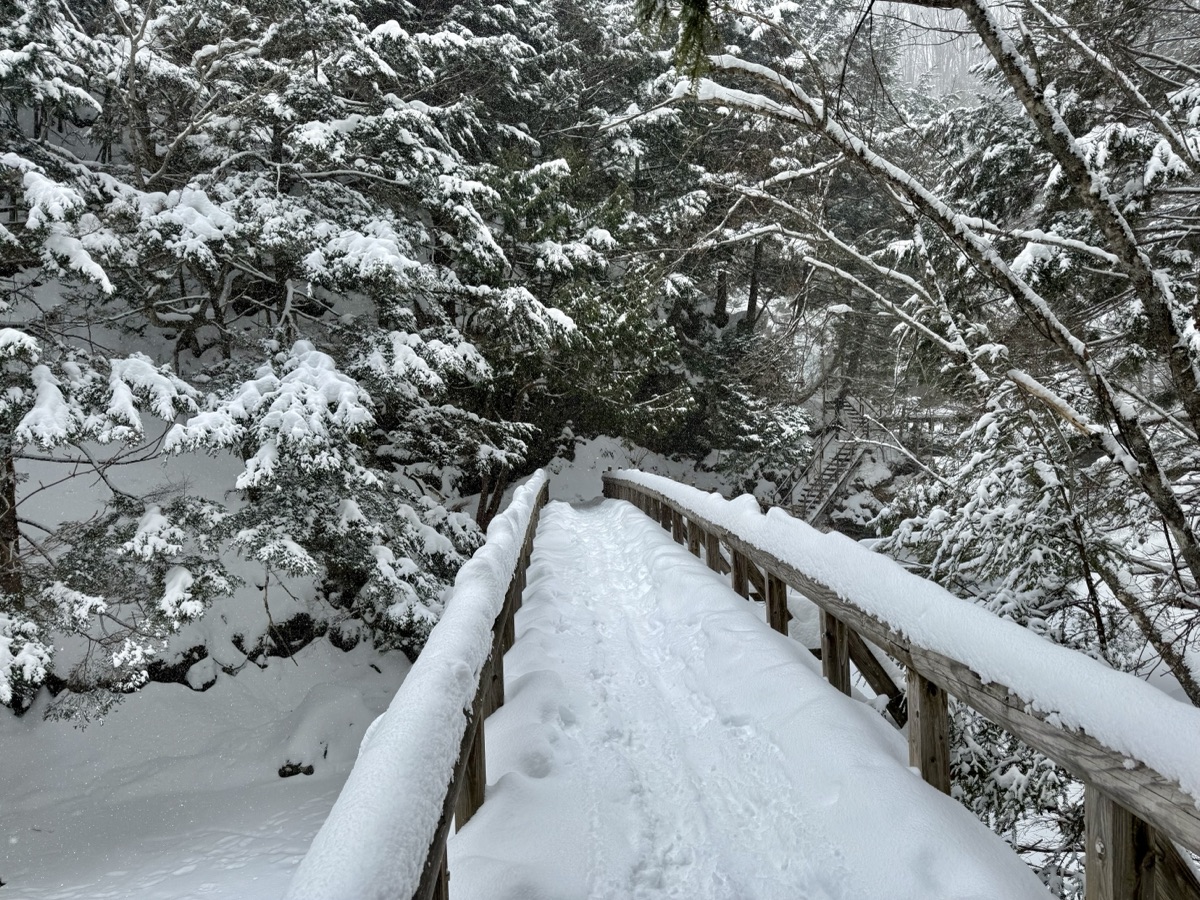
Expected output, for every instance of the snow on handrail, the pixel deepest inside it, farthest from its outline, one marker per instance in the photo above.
(376, 839)
(1120, 734)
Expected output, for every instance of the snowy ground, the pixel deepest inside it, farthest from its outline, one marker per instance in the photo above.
(660, 741)
(177, 794)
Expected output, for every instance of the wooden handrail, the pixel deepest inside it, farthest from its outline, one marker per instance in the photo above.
(407, 781)
(464, 794)
(1134, 812)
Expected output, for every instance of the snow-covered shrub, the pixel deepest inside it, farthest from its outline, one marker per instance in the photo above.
(125, 578)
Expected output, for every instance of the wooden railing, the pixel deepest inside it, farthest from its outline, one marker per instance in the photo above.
(1132, 814)
(358, 853)
(464, 794)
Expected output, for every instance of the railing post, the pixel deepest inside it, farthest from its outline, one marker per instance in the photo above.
(495, 698)
(512, 601)
(712, 551)
(741, 575)
(693, 538)
(835, 652)
(664, 515)
(677, 526)
(441, 888)
(470, 797)
(490, 695)
(777, 611)
(928, 731)
(1117, 844)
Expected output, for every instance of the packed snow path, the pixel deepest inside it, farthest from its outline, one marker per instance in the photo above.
(659, 740)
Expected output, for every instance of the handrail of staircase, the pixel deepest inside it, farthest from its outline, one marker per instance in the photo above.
(835, 486)
(1133, 811)
(830, 436)
(421, 764)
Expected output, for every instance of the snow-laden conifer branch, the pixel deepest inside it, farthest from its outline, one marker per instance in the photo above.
(1184, 148)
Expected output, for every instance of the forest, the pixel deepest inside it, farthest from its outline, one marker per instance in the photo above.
(294, 295)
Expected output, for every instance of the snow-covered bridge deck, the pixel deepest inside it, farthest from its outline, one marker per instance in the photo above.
(659, 740)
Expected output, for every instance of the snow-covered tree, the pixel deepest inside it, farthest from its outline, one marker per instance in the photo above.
(1034, 247)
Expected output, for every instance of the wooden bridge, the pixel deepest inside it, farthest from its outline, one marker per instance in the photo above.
(423, 766)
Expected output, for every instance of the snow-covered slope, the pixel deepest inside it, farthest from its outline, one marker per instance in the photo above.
(177, 794)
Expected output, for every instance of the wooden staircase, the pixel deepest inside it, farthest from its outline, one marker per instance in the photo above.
(834, 460)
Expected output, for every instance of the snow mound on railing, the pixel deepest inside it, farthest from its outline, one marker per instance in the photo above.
(374, 843)
(1073, 690)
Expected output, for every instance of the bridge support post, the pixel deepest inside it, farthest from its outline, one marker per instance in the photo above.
(835, 652)
(677, 526)
(693, 538)
(928, 731)
(664, 515)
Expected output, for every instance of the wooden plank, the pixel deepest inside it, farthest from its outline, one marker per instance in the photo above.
(757, 581)
(1174, 877)
(835, 651)
(878, 678)
(741, 576)
(1142, 790)
(434, 874)
(777, 611)
(928, 731)
(665, 512)
(677, 526)
(435, 878)
(695, 536)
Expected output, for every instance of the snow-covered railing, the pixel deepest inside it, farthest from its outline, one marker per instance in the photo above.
(422, 762)
(1136, 749)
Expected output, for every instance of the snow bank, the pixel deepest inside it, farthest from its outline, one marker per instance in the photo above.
(1073, 690)
(177, 795)
(374, 843)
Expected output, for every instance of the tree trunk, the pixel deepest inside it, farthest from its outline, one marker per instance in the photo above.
(497, 496)
(721, 310)
(485, 487)
(10, 535)
(752, 302)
